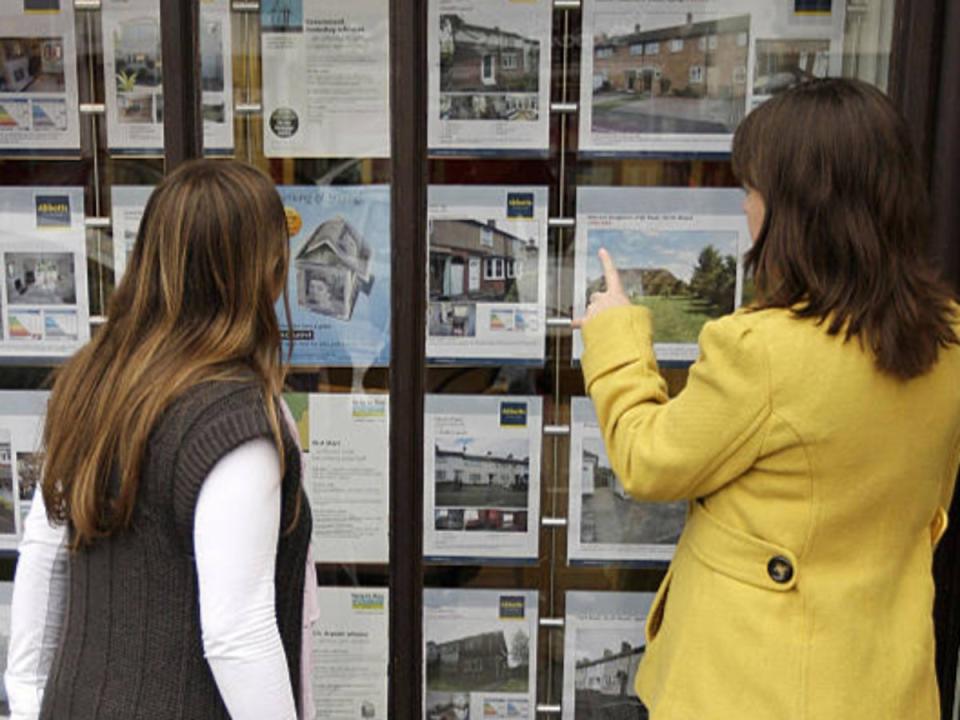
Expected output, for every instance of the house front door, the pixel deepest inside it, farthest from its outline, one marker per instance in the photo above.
(473, 275)
(453, 283)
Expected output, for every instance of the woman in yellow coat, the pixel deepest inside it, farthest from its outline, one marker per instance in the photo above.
(817, 439)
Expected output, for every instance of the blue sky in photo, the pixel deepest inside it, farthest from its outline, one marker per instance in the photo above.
(673, 250)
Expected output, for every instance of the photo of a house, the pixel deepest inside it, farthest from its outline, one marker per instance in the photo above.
(478, 473)
(8, 523)
(609, 516)
(606, 665)
(690, 77)
(32, 64)
(486, 71)
(472, 261)
(40, 278)
(686, 277)
(333, 266)
(492, 660)
(785, 63)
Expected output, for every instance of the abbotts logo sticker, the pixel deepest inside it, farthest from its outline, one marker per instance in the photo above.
(520, 205)
(512, 606)
(513, 414)
(53, 210)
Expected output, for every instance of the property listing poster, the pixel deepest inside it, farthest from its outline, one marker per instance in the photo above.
(6, 603)
(350, 653)
(489, 74)
(481, 473)
(679, 252)
(134, 77)
(480, 654)
(345, 442)
(326, 70)
(339, 281)
(605, 524)
(128, 203)
(43, 300)
(39, 106)
(668, 76)
(603, 643)
(21, 431)
(487, 273)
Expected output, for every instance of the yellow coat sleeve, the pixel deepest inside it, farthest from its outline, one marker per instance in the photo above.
(692, 445)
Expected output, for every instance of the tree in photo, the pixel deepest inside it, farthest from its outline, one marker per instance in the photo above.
(714, 280)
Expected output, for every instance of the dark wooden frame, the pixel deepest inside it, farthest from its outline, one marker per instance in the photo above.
(408, 102)
(183, 115)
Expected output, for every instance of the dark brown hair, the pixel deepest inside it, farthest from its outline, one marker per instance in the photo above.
(196, 304)
(844, 238)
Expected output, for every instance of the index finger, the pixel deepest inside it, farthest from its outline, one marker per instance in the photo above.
(610, 273)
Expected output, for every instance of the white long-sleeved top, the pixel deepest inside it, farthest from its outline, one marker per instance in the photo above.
(235, 570)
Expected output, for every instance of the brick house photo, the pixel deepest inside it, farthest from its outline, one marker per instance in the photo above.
(474, 58)
(686, 78)
(474, 261)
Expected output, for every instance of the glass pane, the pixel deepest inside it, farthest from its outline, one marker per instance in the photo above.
(645, 100)
(310, 83)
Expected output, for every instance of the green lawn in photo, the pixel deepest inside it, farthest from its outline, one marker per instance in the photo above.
(677, 319)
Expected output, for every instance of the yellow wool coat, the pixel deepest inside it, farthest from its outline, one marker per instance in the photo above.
(801, 588)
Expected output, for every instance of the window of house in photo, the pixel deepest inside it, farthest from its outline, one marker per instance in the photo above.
(604, 52)
(652, 48)
(510, 268)
(488, 69)
(740, 74)
(702, 43)
(486, 236)
(493, 269)
(636, 49)
(696, 73)
(509, 60)
(676, 45)
(741, 39)
(712, 42)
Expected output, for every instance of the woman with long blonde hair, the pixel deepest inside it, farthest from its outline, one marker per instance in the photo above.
(171, 486)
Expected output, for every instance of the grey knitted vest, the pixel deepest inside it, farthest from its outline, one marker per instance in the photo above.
(131, 646)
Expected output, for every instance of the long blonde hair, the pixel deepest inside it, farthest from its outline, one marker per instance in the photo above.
(196, 304)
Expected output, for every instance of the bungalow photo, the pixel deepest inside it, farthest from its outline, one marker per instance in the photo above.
(474, 261)
(333, 267)
(609, 516)
(31, 65)
(35, 278)
(482, 473)
(487, 71)
(29, 467)
(672, 73)
(686, 277)
(605, 667)
(783, 63)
